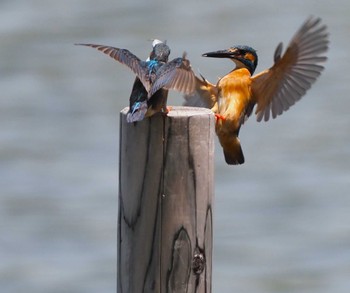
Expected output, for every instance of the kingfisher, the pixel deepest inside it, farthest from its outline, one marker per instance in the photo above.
(154, 77)
(273, 90)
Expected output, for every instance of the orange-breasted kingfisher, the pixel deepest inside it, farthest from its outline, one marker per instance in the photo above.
(273, 90)
(154, 77)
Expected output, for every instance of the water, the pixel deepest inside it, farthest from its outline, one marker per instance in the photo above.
(282, 221)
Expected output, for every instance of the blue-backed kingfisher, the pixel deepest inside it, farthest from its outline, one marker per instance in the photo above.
(273, 90)
(154, 77)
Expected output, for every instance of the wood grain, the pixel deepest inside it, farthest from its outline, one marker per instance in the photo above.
(166, 173)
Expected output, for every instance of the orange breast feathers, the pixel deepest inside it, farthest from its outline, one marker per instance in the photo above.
(234, 95)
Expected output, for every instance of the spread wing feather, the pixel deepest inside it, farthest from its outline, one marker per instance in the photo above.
(177, 75)
(276, 89)
(127, 58)
(204, 95)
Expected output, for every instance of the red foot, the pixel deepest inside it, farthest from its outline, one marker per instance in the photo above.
(219, 117)
(168, 109)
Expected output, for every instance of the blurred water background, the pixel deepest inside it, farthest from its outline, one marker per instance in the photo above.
(282, 220)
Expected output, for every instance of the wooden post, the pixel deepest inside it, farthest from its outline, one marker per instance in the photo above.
(165, 202)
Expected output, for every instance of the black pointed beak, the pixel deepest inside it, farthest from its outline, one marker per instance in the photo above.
(220, 54)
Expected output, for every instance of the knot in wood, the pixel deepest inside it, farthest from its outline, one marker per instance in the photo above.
(198, 263)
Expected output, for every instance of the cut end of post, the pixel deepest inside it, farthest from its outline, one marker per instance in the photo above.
(180, 111)
(188, 111)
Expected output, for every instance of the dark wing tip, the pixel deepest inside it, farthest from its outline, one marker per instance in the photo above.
(278, 52)
(89, 45)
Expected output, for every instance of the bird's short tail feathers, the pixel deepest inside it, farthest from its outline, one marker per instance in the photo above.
(233, 151)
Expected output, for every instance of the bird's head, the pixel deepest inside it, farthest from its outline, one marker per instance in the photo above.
(160, 52)
(243, 56)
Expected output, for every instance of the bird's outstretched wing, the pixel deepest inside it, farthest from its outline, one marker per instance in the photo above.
(177, 75)
(276, 89)
(127, 58)
(204, 96)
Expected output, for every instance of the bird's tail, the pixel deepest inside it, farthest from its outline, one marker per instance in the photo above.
(233, 151)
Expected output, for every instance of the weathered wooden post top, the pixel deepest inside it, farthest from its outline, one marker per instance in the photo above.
(166, 193)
